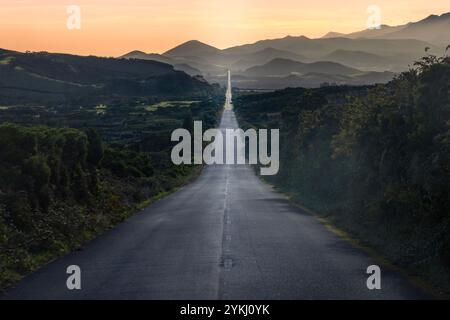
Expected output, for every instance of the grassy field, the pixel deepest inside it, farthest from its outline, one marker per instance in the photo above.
(169, 104)
(6, 61)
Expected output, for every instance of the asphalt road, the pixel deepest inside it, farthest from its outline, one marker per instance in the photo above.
(225, 236)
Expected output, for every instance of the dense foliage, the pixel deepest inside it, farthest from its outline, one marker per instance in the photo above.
(374, 160)
(60, 186)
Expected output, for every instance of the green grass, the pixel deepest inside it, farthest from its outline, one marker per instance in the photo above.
(6, 61)
(169, 104)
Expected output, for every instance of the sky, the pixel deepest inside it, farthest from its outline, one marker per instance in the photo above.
(115, 27)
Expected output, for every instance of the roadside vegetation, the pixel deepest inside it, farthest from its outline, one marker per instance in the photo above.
(169, 104)
(69, 173)
(374, 160)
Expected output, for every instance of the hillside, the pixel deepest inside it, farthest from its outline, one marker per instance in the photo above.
(284, 67)
(362, 60)
(46, 77)
(432, 29)
(193, 48)
(311, 80)
(264, 56)
(180, 65)
(148, 56)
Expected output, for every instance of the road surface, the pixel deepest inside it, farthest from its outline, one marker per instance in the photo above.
(227, 235)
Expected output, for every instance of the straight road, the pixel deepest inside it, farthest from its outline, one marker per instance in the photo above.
(227, 235)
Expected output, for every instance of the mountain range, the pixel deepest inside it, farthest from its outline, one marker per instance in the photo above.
(434, 29)
(364, 57)
(281, 67)
(367, 53)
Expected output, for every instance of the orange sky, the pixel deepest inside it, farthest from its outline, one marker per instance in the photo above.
(114, 27)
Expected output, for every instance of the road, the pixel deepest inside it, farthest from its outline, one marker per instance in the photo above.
(228, 235)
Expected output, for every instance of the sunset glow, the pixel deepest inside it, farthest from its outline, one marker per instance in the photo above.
(111, 28)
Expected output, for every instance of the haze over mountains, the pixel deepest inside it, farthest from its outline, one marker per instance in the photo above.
(280, 67)
(364, 57)
(360, 58)
(434, 29)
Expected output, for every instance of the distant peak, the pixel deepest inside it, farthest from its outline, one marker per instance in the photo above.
(191, 46)
(194, 42)
(333, 34)
(133, 53)
(296, 37)
(136, 52)
(434, 17)
(431, 17)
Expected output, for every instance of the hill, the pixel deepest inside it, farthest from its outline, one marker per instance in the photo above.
(192, 48)
(264, 56)
(310, 80)
(362, 60)
(180, 65)
(46, 77)
(284, 67)
(433, 29)
(148, 56)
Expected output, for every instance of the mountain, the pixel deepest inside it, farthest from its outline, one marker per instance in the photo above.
(191, 64)
(282, 73)
(2, 51)
(264, 56)
(332, 34)
(283, 67)
(180, 65)
(362, 60)
(384, 47)
(400, 53)
(148, 56)
(310, 80)
(187, 69)
(43, 77)
(433, 29)
(300, 45)
(390, 48)
(374, 33)
(193, 48)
